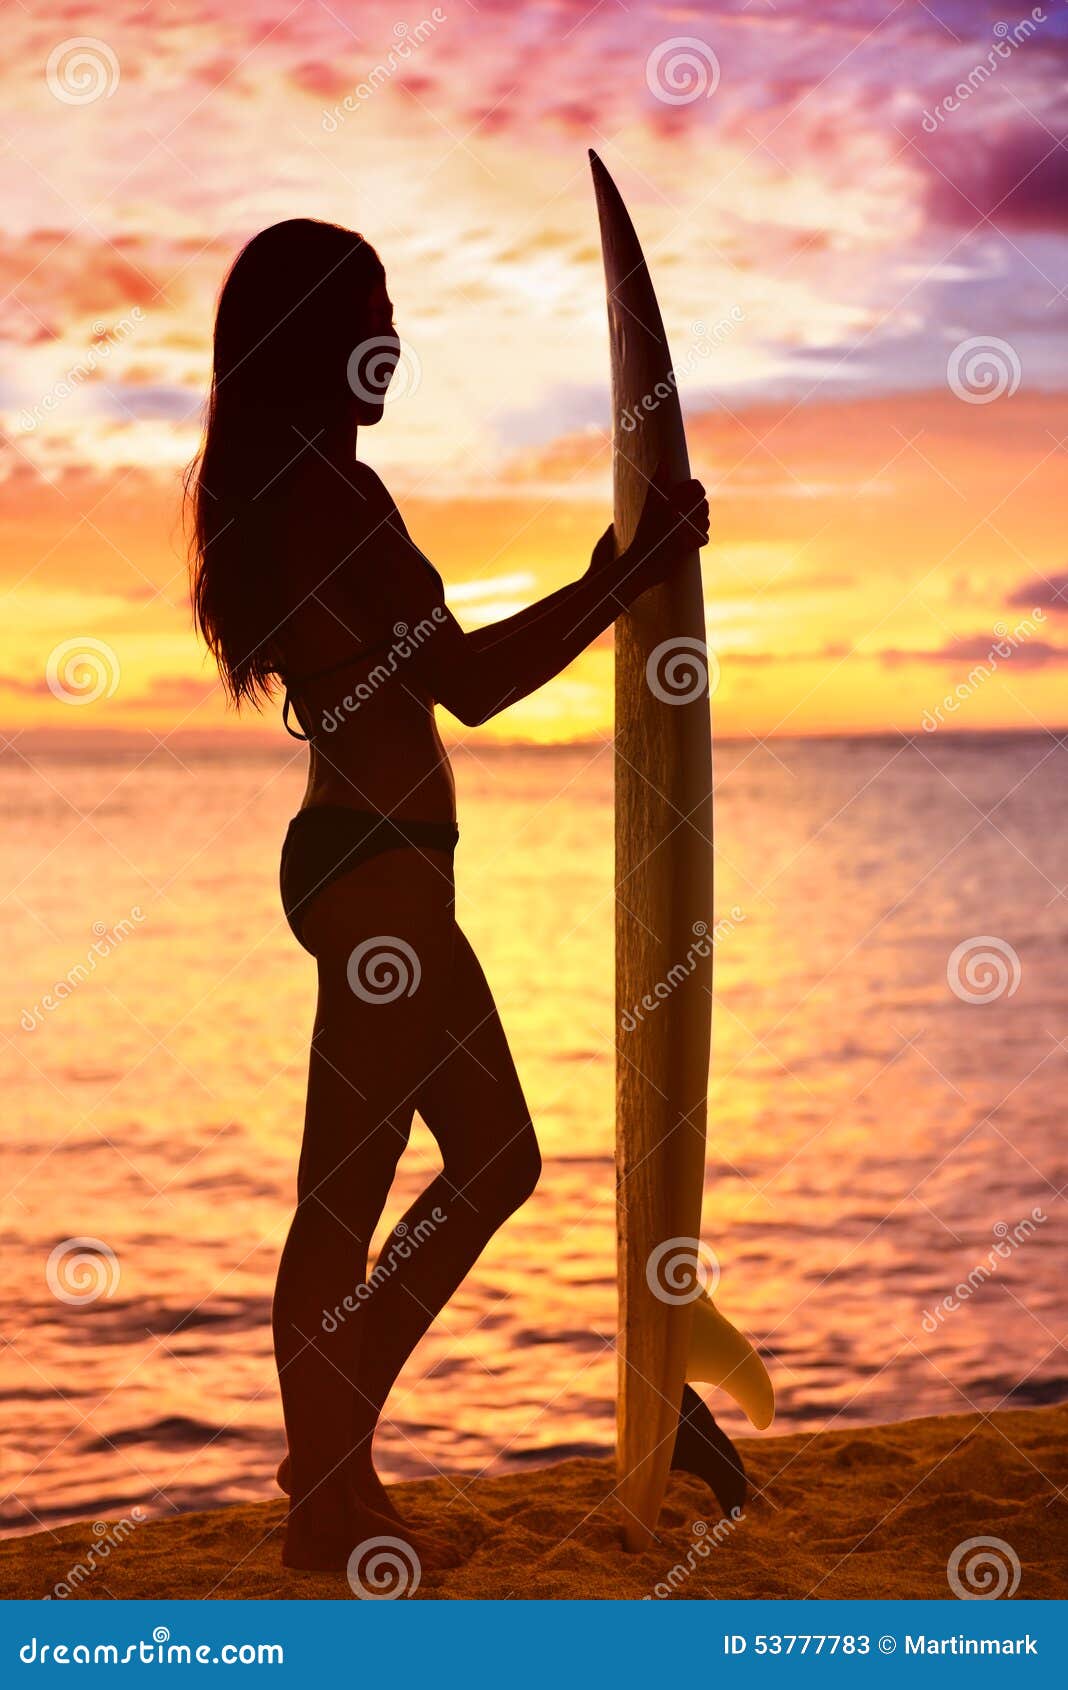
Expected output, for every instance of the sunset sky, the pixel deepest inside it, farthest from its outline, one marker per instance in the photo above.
(856, 214)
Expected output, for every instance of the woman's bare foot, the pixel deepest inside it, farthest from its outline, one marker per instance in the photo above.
(366, 1486)
(320, 1536)
(347, 1537)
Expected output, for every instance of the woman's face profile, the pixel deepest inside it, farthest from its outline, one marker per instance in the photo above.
(373, 361)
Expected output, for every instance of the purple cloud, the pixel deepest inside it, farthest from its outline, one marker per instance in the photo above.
(1019, 179)
(1043, 593)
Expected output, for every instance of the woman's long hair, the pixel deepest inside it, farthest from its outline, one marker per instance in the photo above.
(291, 311)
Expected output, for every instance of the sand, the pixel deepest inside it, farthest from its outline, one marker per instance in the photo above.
(875, 1511)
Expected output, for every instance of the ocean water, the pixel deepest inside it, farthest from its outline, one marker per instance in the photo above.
(886, 1126)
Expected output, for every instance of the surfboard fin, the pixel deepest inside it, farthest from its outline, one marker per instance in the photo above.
(703, 1448)
(721, 1355)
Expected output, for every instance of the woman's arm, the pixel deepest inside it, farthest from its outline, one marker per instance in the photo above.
(604, 555)
(476, 676)
(509, 659)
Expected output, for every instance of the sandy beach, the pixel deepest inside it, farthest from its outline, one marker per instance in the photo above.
(871, 1512)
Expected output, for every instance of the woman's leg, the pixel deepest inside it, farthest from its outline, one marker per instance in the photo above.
(473, 1104)
(373, 1044)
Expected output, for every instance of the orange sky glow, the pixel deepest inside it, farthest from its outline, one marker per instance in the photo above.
(858, 272)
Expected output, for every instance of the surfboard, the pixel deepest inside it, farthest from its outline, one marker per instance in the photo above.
(663, 927)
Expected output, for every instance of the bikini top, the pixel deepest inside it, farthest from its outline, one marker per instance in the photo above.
(295, 682)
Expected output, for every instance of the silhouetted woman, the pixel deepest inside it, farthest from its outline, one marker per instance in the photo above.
(305, 579)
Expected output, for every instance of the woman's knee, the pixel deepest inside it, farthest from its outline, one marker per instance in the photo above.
(526, 1168)
(502, 1184)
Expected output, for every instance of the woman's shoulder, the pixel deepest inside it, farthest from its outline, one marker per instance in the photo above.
(344, 492)
(344, 514)
(367, 539)
(361, 481)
